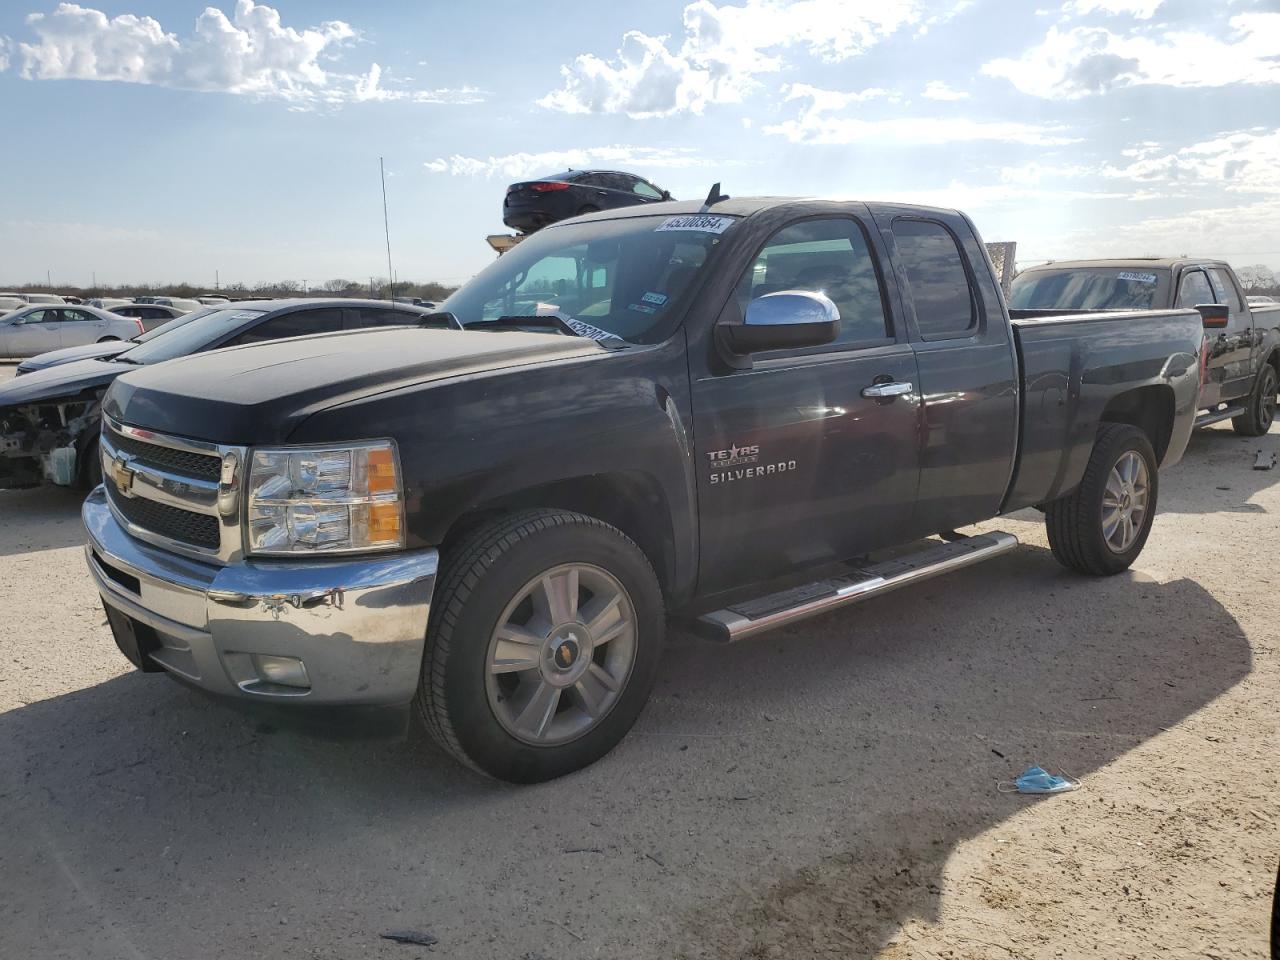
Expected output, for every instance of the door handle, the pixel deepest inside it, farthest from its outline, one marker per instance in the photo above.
(895, 388)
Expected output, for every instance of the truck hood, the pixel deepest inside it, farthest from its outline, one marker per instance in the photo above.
(64, 380)
(258, 394)
(88, 351)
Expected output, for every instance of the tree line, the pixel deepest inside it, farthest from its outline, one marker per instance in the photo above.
(376, 289)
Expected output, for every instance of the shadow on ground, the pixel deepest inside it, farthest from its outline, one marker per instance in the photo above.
(1232, 481)
(802, 791)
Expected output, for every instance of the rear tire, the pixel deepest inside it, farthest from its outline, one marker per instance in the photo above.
(499, 605)
(1094, 529)
(1261, 411)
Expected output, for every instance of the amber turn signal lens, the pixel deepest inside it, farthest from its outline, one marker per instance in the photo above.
(382, 471)
(384, 521)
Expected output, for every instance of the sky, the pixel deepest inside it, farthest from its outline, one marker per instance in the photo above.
(148, 141)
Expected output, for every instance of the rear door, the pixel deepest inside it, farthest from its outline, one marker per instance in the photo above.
(80, 327)
(36, 332)
(1239, 361)
(795, 467)
(968, 372)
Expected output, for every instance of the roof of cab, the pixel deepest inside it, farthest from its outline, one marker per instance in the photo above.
(733, 207)
(1129, 263)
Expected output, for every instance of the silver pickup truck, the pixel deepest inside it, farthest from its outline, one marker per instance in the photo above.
(1242, 355)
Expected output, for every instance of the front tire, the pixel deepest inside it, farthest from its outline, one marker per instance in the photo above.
(1102, 526)
(89, 467)
(1261, 411)
(544, 642)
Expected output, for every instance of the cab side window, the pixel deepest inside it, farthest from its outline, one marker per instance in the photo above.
(1225, 291)
(936, 278)
(1194, 289)
(831, 257)
(299, 323)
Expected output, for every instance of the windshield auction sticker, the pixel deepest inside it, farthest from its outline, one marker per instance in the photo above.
(1138, 277)
(698, 222)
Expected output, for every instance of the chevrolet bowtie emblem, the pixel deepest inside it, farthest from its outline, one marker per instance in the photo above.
(122, 475)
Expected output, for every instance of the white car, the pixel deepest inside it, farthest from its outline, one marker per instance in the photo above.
(38, 328)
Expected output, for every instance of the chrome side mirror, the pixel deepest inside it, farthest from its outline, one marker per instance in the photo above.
(784, 320)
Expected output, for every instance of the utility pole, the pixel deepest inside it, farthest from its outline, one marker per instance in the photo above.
(95, 281)
(386, 226)
(48, 279)
(217, 280)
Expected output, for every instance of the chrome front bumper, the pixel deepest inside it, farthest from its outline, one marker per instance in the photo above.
(357, 626)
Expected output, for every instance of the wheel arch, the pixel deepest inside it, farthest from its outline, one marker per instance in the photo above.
(633, 502)
(1150, 409)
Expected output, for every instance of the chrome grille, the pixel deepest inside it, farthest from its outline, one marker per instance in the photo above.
(197, 529)
(181, 494)
(197, 465)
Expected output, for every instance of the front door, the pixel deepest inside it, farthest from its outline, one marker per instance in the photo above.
(1222, 347)
(36, 332)
(1238, 358)
(796, 466)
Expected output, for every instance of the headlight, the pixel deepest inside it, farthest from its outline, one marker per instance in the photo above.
(339, 499)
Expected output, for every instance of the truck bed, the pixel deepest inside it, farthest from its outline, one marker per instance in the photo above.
(1076, 364)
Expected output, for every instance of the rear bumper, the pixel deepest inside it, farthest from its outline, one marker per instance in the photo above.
(339, 631)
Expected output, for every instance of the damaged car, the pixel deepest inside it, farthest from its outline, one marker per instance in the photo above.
(49, 417)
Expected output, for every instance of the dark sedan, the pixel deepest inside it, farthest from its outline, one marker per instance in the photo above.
(532, 204)
(49, 417)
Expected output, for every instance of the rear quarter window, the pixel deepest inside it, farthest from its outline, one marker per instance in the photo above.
(937, 280)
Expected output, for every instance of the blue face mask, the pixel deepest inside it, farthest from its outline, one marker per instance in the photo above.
(1039, 780)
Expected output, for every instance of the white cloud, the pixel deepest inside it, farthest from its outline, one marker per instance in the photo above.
(368, 88)
(1243, 162)
(822, 121)
(1069, 64)
(252, 52)
(939, 90)
(723, 50)
(517, 165)
(1141, 9)
(963, 196)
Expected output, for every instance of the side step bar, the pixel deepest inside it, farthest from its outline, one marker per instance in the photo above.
(750, 617)
(1217, 415)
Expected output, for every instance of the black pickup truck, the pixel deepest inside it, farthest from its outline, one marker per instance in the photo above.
(1242, 353)
(713, 413)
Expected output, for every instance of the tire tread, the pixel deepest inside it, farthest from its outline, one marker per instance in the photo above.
(1069, 521)
(472, 558)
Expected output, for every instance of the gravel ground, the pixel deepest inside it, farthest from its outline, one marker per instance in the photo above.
(825, 791)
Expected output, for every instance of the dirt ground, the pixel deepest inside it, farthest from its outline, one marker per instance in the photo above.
(829, 790)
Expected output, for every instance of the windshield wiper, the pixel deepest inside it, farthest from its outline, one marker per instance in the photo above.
(551, 321)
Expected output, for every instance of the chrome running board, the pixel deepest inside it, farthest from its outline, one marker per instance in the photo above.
(1217, 415)
(750, 617)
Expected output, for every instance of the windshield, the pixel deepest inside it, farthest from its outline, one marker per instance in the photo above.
(1092, 288)
(192, 332)
(612, 278)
